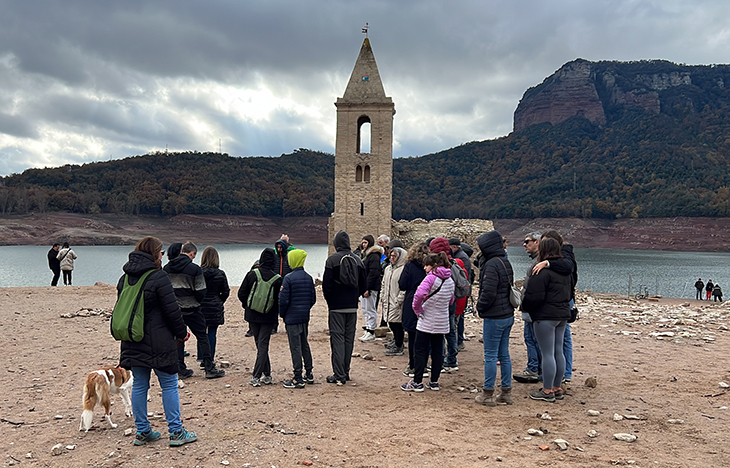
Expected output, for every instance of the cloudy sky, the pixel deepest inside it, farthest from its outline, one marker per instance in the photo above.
(91, 80)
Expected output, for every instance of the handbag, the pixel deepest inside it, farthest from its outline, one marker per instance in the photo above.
(573, 315)
(515, 296)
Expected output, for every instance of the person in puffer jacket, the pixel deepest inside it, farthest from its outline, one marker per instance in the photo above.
(216, 294)
(431, 305)
(392, 299)
(164, 330)
(296, 299)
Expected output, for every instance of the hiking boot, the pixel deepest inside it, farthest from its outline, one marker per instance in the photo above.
(255, 382)
(214, 373)
(527, 376)
(182, 437)
(309, 379)
(267, 380)
(559, 394)
(367, 337)
(505, 397)
(294, 384)
(184, 374)
(334, 380)
(433, 386)
(541, 394)
(486, 398)
(394, 351)
(143, 437)
(412, 387)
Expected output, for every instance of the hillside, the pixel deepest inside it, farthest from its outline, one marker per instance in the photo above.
(596, 140)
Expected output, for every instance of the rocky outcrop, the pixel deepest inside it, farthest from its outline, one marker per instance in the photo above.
(590, 89)
(466, 230)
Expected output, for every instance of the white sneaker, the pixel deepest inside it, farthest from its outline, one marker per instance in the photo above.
(367, 336)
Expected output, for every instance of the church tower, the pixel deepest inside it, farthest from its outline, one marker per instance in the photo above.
(363, 154)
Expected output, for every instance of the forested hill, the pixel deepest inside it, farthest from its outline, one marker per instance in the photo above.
(594, 140)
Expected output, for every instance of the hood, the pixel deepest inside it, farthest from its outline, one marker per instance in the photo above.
(341, 241)
(138, 263)
(442, 272)
(440, 244)
(296, 258)
(490, 243)
(284, 245)
(174, 250)
(468, 250)
(376, 248)
(402, 254)
(178, 264)
(268, 259)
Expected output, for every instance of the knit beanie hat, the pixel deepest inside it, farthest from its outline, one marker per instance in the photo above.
(440, 244)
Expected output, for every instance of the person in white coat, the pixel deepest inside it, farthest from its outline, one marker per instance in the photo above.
(392, 299)
(66, 256)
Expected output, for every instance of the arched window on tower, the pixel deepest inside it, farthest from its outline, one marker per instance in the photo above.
(358, 173)
(364, 134)
(366, 175)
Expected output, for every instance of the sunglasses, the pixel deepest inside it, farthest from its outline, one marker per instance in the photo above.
(527, 241)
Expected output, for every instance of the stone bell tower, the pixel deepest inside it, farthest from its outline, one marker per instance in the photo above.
(363, 169)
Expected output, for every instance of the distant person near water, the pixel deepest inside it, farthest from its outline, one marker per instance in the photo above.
(66, 257)
(54, 264)
(708, 289)
(717, 293)
(699, 285)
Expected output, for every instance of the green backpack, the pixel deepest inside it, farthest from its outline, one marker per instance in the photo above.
(261, 296)
(127, 322)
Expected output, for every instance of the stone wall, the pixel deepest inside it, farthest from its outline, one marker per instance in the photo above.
(466, 230)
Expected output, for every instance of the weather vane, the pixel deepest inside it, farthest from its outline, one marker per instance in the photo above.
(365, 30)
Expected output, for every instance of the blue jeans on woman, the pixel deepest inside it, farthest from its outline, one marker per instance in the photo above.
(212, 339)
(170, 398)
(495, 334)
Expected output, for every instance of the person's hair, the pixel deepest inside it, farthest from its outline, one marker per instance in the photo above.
(553, 235)
(56, 244)
(417, 252)
(188, 247)
(548, 249)
(210, 258)
(152, 246)
(436, 260)
(383, 237)
(65, 245)
(533, 235)
(504, 242)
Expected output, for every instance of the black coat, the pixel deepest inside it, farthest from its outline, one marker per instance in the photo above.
(495, 277)
(338, 296)
(53, 262)
(216, 294)
(547, 296)
(373, 270)
(267, 263)
(187, 280)
(163, 322)
(412, 275)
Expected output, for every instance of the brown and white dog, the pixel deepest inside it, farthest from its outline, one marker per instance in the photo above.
(99, 387)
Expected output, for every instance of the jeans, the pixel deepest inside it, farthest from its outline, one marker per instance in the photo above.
(262, 336)
(568, 352)
(495, 334)
(170, 398)
(370, 310)
(212, 340)
(451, 346)
(423, 342)
(699, 294)
(299, 348)
(550, 335)
(533, 349)
(460, 328)
(342, 342)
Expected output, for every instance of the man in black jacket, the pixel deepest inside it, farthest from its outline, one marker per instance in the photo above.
(55, 265)
(342, 301)
(189, 284)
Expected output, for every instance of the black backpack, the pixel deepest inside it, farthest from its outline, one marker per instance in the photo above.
(349, 273)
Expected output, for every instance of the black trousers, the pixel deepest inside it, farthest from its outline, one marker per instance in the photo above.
(262, 335)
(342, 342)
(398, 333)
(67, 277)
(195, 321)
(423, 341)
(299, 348)
(56, 275)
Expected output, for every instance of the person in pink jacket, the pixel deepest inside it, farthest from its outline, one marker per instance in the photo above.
(431, 306)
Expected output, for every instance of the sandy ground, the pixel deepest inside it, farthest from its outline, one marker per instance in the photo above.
(654, 362)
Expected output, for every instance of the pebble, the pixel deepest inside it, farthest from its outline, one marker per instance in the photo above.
(591, 382)
(593, 412)
(57, 449)
(676, 421)
(546, 417)
(723, 385)
(617, 417)
(625, 437)
(593, 434)
(536, 432)
(562, 443)
(225, 364)
(461, 389)
(632, 417)
(225, 462)
(70, 447)
(368, 357)
(128, 432)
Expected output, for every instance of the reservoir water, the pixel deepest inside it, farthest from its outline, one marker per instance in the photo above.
(670, 274)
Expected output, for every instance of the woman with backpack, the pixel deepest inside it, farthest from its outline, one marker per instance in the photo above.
(164, 330)
(216, 294)
(259, 295)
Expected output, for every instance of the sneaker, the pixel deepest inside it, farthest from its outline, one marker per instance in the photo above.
(433, 386)
(143, 437)
(267, 380)
(559, 394)
(186, 354)
(202, 365)
(566, 380)
(390, 344)
(182, 437)
(255, 382)
(461, 347)
(309, 379)
(184, 374)
(294, 384)
(542, 395)
(409, 372)
(527, 376)
(333, 379)
(248, 334)
(214, 373)
(367, 336)
(412, 387)
(394, 351)
(450, 369)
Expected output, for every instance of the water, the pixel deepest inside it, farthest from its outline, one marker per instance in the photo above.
(670, 274)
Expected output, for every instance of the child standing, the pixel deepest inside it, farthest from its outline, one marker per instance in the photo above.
(296, 299)
(431, 306)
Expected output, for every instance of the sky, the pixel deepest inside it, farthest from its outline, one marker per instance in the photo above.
(85, 81)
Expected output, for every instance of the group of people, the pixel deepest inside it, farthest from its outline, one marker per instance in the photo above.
(710, 289)
(61, 259)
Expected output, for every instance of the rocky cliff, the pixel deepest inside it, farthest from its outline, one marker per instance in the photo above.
(594, 90)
